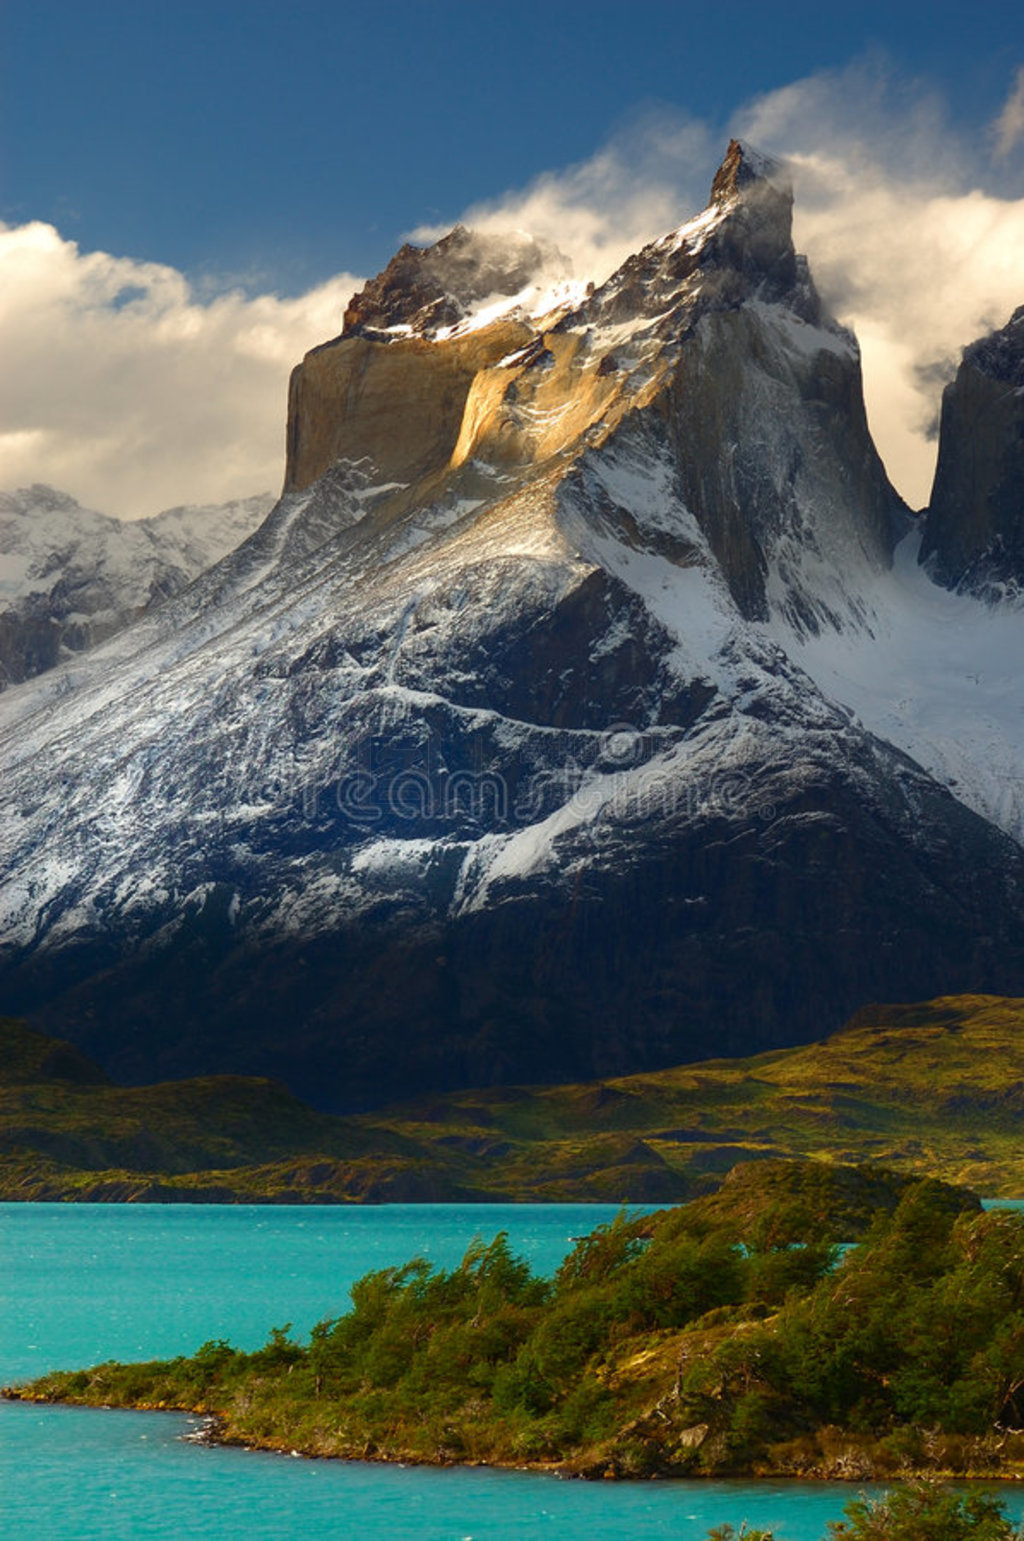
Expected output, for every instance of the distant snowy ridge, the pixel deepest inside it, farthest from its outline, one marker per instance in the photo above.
(70, 576)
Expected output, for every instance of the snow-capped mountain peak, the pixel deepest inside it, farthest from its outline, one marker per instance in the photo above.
(531, 735)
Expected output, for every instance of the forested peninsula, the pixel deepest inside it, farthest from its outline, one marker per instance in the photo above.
(808, 1319)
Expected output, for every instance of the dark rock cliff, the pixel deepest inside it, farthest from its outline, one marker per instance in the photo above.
(974, 528)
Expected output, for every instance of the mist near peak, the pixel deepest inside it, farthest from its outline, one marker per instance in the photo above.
(914, 230)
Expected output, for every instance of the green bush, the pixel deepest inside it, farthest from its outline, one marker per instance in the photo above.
(925, 1513)
(674, 1282)
(918, 1512)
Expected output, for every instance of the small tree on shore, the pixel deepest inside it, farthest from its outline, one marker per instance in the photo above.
(925, 1512)
(919, 1512)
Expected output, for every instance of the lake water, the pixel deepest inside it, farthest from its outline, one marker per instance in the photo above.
(82, 1283)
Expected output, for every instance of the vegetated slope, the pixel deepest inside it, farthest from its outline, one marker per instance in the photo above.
(935, 1089)
(70, 577)
(707, 1340)
(490, 756)
(68, 1132)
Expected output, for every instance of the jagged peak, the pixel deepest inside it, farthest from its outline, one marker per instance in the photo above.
(739, 247)
(469, 277)
(753, 198)
(745, 167)
(430, 290)
(39, 496)
(1000, 354)
(974, 524)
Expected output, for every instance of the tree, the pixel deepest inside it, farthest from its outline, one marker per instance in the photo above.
(925, 1512)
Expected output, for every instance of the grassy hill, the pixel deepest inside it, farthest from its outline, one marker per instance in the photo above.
(934, 1088)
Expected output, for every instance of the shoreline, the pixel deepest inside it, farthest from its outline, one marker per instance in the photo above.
(732, 1337)
(851, 1464)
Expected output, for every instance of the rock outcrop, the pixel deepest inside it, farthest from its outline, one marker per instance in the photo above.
(974, 530)
(432, 290)
(348, 394)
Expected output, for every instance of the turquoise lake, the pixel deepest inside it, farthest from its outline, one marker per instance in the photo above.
(82, 1283)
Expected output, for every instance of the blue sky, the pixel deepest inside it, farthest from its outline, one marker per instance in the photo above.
(189, 193)
(282, 142)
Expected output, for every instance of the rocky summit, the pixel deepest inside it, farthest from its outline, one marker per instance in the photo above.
(582, 707)
(974, 534)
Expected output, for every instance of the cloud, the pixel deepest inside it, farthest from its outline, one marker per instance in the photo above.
(651, 176)
(131, 389)
(905, 243)
(123, 387)
(1008, 128)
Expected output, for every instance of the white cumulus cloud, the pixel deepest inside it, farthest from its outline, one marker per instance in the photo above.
(645, 181)
(121, 386)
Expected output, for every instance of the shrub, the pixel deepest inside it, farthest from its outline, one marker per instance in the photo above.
(925, 1512)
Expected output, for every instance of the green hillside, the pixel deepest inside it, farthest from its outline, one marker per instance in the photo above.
(934, 1088)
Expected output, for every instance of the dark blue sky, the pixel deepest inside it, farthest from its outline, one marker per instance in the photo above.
(288, 141)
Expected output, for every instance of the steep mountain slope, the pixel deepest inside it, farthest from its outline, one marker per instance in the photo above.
(935, 673)
(488, 756)
(935, 668)
(70, 577)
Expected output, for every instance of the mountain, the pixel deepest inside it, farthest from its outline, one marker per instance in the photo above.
(70, 577)
(573, 713)
(974, 533)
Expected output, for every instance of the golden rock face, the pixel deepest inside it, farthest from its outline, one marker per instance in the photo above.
(509, 394)
(541, 405)
(401, 403)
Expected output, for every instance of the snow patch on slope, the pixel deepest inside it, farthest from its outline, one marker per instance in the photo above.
(938, 675)
(668, 564)
(536, 303)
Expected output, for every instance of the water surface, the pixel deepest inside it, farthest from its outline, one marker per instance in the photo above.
(83, 1283)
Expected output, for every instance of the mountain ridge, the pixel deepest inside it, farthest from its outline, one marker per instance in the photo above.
(932, 1089)
(71, 577)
